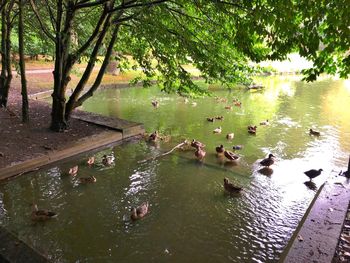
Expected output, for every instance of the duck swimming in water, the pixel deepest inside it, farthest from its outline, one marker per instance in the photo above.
(87, 180)
(197, 144)
(230, 136)
(315, 133)
(267, 162)
(200, 154)
(220, 149)
(231, 156)
(139, 212)
(73, 171)
(230, 187)
(108, 160)
(41, 215)
(217, 130)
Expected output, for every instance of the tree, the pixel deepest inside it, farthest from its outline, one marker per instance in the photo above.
(25, 106)
(218, 37)
(6, 70)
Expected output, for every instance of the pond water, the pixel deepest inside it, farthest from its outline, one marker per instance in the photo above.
(190, 217)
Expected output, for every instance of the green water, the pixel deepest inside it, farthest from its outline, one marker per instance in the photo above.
(190, 217)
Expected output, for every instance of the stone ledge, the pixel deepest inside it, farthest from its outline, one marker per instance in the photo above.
(320, 227)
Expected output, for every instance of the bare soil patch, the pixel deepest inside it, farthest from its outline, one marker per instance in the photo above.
(20, 142)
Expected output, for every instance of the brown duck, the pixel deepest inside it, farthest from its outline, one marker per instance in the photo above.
(197, 144)
(41, 215)
(267, 162)
(139, 212)
(231, 156)
(230, 187)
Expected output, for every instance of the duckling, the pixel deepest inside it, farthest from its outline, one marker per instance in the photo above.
(139, 212)
(217, 130)
(316, 133)
(313, 173)
(108, 160)
(228, 107)
(197, 144)
(153, 136)
(237, 147)
(91, 160)
(220, 118)
(231, 156)
(268, 161)
(155, 103)
(200, 154)
(87, 180)
(230, 136)
(210, 119)
(220, 149)
(73, 171)
(230, 187)
(41, 215)
(264, 122)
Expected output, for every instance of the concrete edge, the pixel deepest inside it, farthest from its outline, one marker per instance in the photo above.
(83, 145)
(13, 249)
(317, 235)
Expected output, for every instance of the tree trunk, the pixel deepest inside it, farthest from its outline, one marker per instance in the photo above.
(90, 66)
(25, 107)
(113, 64)
(6, 70)
(62, 70)
(3, 74)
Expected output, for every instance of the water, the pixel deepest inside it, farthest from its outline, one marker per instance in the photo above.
(190, 218)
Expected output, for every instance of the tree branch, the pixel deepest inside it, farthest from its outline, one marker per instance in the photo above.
(43, 27)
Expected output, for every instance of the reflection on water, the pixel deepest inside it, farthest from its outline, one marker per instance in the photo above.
(190, 217)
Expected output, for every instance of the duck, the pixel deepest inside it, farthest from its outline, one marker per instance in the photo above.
(230, 136)
(217, 130)
(153, 136)
(313, 173)
(108, 160)
(41, 215)
(197, 144)
(220, 149)
(139, 212)
(231, 156)
(87, 180)
(91, 160)
(267, 162)
(238, 103)
(194, 104)
(210, 119)
(315, 133)
(252, 129)
(200, 154)
(237, 147)
(155, 103)
(73, 171)
(230, 187)
(264, 122)
(220, 118)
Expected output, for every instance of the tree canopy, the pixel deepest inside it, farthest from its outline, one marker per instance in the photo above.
(220, 38)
